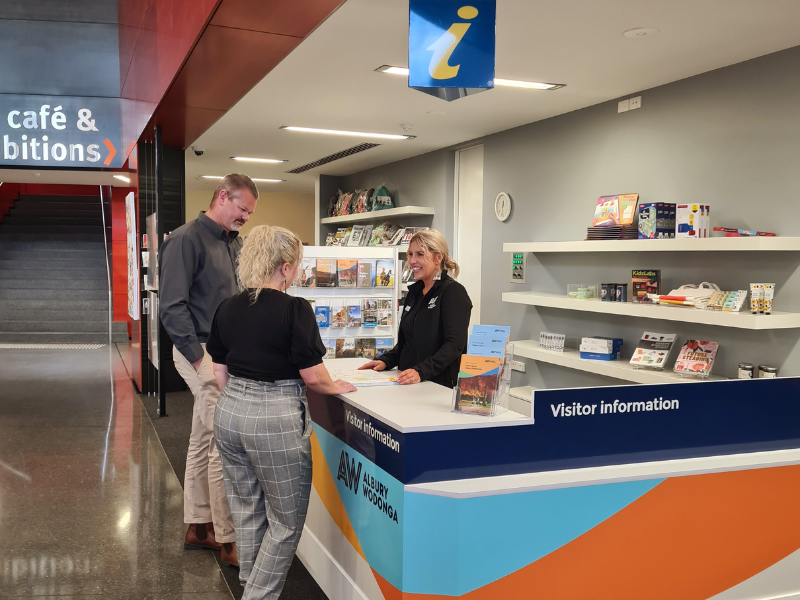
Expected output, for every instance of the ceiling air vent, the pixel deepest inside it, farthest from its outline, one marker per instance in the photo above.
(325, 160)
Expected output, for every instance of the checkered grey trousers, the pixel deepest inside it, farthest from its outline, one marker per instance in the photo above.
(263, 433)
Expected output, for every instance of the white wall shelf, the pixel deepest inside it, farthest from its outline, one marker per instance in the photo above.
(740, 244)
(380, 215)
(740, 320)
(618, 369)
(522, 392)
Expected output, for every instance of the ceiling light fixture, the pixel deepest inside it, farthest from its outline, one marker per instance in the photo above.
(383, 136)
(253, 178)
(531, 85)
(257, 160)
(122, 178)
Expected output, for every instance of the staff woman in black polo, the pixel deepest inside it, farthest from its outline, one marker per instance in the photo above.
(435, 317)
(266, 349)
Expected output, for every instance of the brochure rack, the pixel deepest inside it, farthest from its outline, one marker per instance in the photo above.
(490, 404)
(343, 293)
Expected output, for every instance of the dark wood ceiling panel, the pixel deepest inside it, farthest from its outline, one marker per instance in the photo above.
(286, 17)
(225, 64)
(181, 125)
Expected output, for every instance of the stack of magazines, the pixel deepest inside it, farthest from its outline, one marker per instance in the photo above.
(484, 377)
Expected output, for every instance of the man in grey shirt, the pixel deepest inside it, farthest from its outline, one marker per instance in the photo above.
(198, 272)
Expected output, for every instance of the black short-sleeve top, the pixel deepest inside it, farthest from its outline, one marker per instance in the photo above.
(269, 340)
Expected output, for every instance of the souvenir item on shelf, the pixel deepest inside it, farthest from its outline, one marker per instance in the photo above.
(409, 233)
(341, 234)
(330, 239)
(381, 200)
(653, 350)
(330, 347)
(384, 273)
(727, 301)
(354, 312)
(622, 232)
(601, 345)
(346, 347)
(369, 312)
(553, 342)
(696, 358)
(363, 203)
(356, 235)
(657, 221)
(583, 291)
(615, 210)
(396, 237)
(346, 272)
(388, 233)
(766, 293)
(733, 232)
(366, 273)
(326, 272)
(376, 239)
(644, 282)
(746, 371)
(307, 277)
(697, 296)
(333, 205)
(338, 313)
(692, 220)
(366, 235)
(365, 348)
(767, 372)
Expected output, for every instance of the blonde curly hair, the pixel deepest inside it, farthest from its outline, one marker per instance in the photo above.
(265, 249)
(433, 241)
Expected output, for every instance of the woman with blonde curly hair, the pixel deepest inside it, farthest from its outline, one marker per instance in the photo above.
(266, 350)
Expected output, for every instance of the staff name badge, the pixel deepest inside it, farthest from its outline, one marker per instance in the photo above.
(451, 47)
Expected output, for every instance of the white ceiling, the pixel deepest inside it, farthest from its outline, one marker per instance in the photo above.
(329, 80)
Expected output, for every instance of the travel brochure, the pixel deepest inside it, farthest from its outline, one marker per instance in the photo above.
(484, 373)
(345, 273)
(357, 347)
(385, 234)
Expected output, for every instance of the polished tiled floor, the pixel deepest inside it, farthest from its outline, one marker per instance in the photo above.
(90, 507)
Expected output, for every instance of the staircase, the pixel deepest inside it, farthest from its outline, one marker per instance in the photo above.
(53, 280)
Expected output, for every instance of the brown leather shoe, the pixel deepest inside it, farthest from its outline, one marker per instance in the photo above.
(200, 536)
(227, 555)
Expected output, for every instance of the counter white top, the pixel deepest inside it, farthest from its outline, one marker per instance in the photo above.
(424, 406)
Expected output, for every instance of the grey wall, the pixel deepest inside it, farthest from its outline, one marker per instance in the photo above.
(729, 137)
(59, 48)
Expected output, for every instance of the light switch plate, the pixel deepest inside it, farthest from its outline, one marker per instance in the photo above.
(518, 365)
(623, 106)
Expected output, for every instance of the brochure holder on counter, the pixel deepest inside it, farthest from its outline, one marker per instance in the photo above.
(475, 400)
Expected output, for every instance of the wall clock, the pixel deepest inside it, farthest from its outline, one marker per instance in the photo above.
(502, 206)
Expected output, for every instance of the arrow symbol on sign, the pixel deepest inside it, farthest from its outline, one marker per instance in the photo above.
(112, 152)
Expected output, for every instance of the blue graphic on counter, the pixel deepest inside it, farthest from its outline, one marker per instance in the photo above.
(451, 43)
(373, 500)
(527, 525)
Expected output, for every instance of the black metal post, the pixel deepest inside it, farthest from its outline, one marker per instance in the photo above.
(159, 181)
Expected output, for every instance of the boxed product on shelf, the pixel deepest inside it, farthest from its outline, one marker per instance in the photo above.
(693, 220)
(601, 345)
(733, 232)
(656, 220)
(696, 358)
(644, 282)
(653, 350)
(599, 356)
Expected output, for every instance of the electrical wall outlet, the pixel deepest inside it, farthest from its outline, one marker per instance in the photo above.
(518, 267)
(518, 365)
(636, 103)
(623, 106)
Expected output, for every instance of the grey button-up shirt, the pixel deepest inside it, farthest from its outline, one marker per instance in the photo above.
(198, 271)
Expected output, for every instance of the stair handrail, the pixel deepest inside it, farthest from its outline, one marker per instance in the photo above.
(108, 270)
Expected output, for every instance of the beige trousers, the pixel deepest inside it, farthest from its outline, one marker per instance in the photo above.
(204, 499)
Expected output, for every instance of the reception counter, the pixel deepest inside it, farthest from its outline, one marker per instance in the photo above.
(649, 491)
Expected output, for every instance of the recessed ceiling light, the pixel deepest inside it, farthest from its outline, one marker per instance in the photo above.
(383, 136)
(640, 32)
(253, 178)
(532, 85)
(122, 178)
(257, 160)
